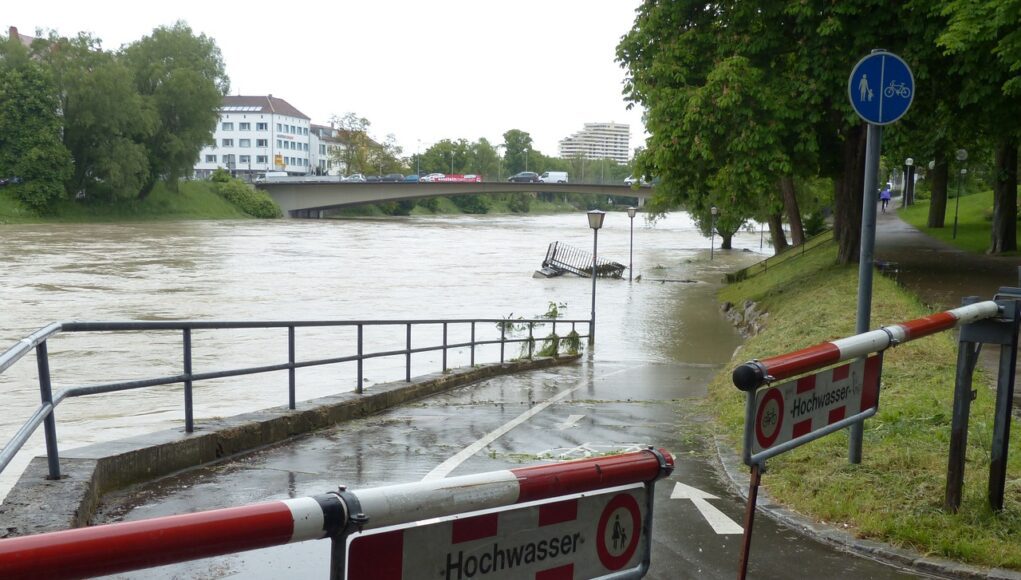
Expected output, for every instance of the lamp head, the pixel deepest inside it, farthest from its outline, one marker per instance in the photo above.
(714, 210)
(631, 211)
(909, 162)
(964, 171)
(962, 155)
(595, 219)
(932, 164)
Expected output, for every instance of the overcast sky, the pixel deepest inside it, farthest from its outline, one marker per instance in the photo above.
(421, 70)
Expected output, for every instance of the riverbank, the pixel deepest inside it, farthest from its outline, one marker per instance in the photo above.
(896, 494)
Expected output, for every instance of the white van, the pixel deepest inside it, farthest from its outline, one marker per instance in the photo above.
(553, 177)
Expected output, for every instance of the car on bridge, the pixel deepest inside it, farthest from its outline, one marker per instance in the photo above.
(354, 178)
(392, 178)
(432, 177)
(524, 177)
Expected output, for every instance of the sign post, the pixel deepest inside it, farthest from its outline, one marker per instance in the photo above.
(881, 89)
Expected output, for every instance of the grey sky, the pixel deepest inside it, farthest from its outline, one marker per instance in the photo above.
(423, 71)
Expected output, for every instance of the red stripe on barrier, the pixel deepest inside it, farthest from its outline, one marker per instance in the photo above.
(112, 548)
(802, 428)
(546, 481)
(842, 372)
(559, 512)
(565, 572)
(806, 384)
(377, 557)
(870, 388)
(931, 324)
(836, 415)
(802, 361)
(475, 528)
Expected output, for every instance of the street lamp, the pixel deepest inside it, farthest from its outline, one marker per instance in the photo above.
(631, 211)
(451, 161)
(712, 231)
(962, 156)
(418, 159)
(595, 221)
(908, 182)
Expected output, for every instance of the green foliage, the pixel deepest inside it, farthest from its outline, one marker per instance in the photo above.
(30, 146)
(519, 203)
(253, 202)
(220, 175)
(973, 218)
(181, 78)
(477, 204)
(430, 203)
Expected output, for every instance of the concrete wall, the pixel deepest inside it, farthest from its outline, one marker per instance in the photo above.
(36, 504)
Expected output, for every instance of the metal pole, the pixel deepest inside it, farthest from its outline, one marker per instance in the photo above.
(189, 417)
(957, 203)
(407, 357)
(444, 347)
(290, 371)
(1001, 420)
(749, 521)
(865, 265)
(631, 251)
(712, 237)
(592, 325)
(473, 344)
(358, 389)
(50, 422)
(967, 355)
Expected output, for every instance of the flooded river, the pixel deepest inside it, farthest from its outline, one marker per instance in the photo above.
(357, 269)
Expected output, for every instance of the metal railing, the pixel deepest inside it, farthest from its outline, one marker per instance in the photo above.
(38, 341)
(817, 241)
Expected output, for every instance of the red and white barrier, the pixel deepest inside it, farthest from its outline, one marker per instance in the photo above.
(752, 375)
(112, 548)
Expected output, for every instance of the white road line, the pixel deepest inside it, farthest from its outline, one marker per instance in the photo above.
(572, 421)
(442, 470)
(719, 521)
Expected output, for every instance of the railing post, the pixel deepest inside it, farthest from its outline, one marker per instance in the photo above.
(444, 347)
(360, 360)
(503, 339)
(407, 364)
(290, 371)
(531, 341)
(473, 344)
(189, 416)
(50, 422)
(556, 346)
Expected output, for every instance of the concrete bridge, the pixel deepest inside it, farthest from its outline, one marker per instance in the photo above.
(309, 196)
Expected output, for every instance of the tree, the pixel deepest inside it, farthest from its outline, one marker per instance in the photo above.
(182, 80)
(30, 147)
(355, 153)
(519, 151)
(985, 40)
(105, 121)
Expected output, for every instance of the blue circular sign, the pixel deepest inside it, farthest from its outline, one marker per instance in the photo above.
(881, 88)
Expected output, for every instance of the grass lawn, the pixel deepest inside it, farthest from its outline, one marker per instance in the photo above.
(896, 494)
(974, 220)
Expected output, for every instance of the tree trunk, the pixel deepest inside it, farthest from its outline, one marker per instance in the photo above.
(938, 182)
(1004, 231)
(147, 188)
(725, 240)
(776, 232)
(848, 197)
(790, 206)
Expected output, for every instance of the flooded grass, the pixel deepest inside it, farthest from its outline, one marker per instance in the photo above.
(896, 494)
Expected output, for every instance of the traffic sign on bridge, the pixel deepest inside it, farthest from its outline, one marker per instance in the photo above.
(881, 88)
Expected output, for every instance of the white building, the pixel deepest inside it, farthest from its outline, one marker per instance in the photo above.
(256, 134)
(326, 145)
(599, 141)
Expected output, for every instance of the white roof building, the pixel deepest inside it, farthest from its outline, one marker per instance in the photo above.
(599, 141)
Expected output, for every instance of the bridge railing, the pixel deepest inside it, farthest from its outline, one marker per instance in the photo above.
(39, 340)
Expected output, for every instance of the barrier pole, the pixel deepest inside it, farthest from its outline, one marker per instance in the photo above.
(749, 521)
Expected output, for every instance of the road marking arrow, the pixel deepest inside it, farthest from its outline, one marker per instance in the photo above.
(572, 421)
(720, 523)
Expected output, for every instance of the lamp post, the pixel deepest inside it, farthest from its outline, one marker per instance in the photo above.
(962, 156)
(418, 159)
(712, 231)
(631, 211)
(499, 162)
(451, 161)
(595, 221)
(908, 182)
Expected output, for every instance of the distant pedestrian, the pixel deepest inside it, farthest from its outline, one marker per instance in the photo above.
(884, 197)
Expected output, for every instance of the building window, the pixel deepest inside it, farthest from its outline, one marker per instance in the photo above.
(306, 131)
(262, 126)
(262, 142)
(227, 126)
(280, 128)
(227, 142)
(244, 126)
(210, 158)
(244, 159)
(305, 146)
(228, 160)
(280, 144)
(322, 149)
(244, 143)
(261, 159)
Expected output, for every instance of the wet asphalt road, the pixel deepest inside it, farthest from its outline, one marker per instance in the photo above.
(622, 405)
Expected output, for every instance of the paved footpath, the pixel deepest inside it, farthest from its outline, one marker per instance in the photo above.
(942, 275)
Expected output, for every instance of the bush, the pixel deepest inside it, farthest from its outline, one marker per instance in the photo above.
(430, 203)
(472, 203)
(220, 175)
(248, 199)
